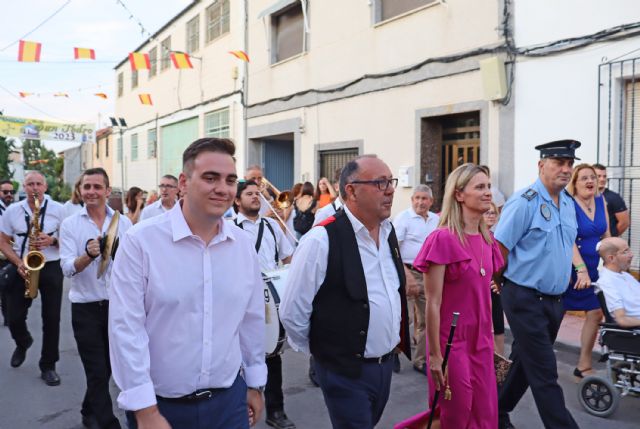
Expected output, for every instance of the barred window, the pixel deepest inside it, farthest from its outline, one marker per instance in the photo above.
(120, 84)
(165, 51)
(153, 62)
(217, 123)
(134, 147)
(217, 15)
(193, 35)
(152, 143)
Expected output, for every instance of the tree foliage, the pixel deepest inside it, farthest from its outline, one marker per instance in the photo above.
(6, 147)
(37, 157)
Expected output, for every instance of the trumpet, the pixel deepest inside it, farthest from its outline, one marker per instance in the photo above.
(283, 199)
(34, 260)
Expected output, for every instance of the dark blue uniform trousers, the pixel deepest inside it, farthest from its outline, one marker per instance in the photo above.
(226, 409)
(534, 320)
(356, 403)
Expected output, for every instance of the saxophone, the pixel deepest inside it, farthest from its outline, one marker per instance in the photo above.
(34, 260)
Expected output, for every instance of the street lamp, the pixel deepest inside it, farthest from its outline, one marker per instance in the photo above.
(121, 124)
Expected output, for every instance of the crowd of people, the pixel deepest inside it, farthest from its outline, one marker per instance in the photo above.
(158, 303)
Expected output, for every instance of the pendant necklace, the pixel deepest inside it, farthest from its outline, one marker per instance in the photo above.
(481, 263)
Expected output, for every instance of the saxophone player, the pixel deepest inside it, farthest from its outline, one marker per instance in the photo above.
(16, 226)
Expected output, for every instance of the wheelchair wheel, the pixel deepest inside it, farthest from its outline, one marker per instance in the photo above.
(598, 396)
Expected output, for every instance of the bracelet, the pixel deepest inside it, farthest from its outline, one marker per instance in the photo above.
(86, 250)
(579, 266)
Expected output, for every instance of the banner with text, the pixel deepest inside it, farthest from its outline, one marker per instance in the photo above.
(35, 129)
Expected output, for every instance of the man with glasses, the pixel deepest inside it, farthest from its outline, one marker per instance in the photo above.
(6, 197)
(345, 297)
(168, 197)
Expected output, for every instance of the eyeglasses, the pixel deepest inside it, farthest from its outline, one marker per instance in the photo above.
(163, 186)
(587, 178)
(490, 213)
(12, 192)
(382, 184)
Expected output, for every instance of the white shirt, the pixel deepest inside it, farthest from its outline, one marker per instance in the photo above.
(184, 315)
(153, 209)
(14, 223)
(70, 209)
(75, 231)
(267, 251)
(621, 291)
(412, 230)
(307, 273)
(327, 211)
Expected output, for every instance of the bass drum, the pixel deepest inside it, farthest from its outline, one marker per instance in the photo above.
(275, 336)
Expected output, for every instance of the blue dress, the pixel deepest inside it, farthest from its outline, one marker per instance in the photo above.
(589, 233)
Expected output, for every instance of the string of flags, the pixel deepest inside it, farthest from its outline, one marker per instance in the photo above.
(29, 51)
(23, 94)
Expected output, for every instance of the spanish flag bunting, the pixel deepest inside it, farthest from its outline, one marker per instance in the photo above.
(84, 54)
(139, 61)
(145, 99)
(241, 55)
(29, 52)
(181, 60)
(25, 94)
(61, 94)
(101, 95)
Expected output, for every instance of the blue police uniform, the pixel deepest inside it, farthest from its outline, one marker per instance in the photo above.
(539, 235)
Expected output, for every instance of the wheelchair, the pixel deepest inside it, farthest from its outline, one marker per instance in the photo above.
(600, 396)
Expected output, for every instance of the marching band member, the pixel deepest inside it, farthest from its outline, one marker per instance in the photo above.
(186, 332)
(345, 298)
(168, 198)
(79, 258)
(15, 226)
(272, 247)
(7, 195)
(254, 172)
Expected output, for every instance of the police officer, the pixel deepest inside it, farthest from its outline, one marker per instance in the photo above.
(537, 230)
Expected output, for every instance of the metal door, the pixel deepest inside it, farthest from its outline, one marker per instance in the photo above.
(278, 162)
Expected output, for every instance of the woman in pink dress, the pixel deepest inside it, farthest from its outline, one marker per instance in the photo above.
(459, 260)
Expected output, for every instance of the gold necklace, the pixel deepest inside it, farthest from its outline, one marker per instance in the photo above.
(588, 207)
(481, 263)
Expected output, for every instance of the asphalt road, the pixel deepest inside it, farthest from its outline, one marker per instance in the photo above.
(26, 402)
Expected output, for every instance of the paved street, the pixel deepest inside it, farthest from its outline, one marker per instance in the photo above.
(26, 403)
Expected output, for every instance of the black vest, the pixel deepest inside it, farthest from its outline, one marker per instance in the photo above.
(340, 316)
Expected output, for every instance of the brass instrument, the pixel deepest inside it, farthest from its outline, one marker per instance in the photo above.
(283, 199)
(109, 244)
(34, 260)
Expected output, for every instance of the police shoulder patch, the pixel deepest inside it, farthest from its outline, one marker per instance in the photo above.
(529, 194)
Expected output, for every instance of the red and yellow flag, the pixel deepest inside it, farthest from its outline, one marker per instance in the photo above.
(84, 54)
(139, 61)
(101, 95)
(61, 94)
(241, 55)
(145, 99)
(25, 94)
(181, 60)
(29, 52)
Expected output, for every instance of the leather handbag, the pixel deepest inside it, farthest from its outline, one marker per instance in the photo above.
(501, 365)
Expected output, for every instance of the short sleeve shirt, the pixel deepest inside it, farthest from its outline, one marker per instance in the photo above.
(615, 204)
(621, 291)
(539, 236)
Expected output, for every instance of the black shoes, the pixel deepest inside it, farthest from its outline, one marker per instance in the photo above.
(19, 354)
(279, 420)
(50, 377)
(396, 363)
(422, 369)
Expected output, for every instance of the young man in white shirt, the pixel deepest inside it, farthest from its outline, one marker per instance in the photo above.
(7, 194)
(621, 290)
(186, 307)
(16, 222)
(413, 226)
(81, 235)
(345, 297)
(273, 248)
(168, 198)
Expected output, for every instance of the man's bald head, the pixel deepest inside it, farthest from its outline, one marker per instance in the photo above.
(609, 246)
(615, 254)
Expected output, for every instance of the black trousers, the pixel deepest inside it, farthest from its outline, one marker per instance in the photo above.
(50, 293)
(273, 396)
(90, 329)
(534, 320)
(3, 295)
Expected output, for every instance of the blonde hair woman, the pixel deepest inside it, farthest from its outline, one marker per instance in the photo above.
(459, 260)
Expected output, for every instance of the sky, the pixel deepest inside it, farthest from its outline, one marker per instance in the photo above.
(103, 25)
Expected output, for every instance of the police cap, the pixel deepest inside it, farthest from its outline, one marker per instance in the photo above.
(559, 149)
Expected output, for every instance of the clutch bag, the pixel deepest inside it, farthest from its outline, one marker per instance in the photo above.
(501, 365)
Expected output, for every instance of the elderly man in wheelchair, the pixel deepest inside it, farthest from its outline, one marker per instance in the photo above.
(619, 295)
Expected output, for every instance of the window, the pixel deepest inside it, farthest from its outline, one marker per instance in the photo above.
(217, 15)
(152, 143)
(288, 32)
(134, 78)
(120, 84)
(165, 50)
(134, 147)
(332, 160)
(98, 149)
(193, 35)
(216, 124)
(119, 149)
(153, 62)
(387, 9)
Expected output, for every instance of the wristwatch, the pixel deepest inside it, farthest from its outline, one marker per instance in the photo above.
(258, 388)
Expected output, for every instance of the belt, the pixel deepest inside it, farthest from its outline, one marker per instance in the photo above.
(537, 293)
(380, 359)
(197, 396)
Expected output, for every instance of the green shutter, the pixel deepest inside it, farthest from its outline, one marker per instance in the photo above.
(175, 139)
